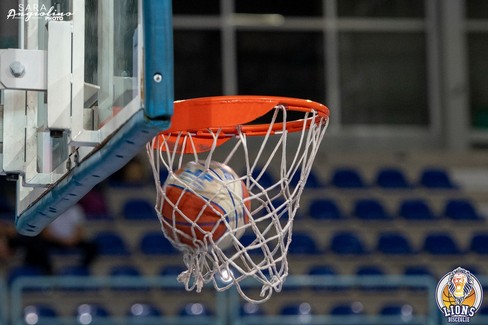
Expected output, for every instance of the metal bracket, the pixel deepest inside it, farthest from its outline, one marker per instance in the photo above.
(23, 69)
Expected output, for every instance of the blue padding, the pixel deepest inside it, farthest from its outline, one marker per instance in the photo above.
(158, 58)
(113, 155)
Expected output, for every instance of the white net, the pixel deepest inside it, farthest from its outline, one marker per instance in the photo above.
(273, 168)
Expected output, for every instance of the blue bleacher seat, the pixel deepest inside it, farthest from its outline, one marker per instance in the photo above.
(142, 313)
(370, 209)
(40, 314)
(124, 270)
(461, 209)
(347, 178)
(322, 270)
(297, 308)
(266, 180)
(139, 209)
(441, 244)
(250, 309)
(347, 309)
(303, 243)
(391, 178)
(325, 209)
(404, 312)
(393, 243)
(92, 313)
(436, 178)
(420, 270)
(163, 175)
(347, 243)
(195, 309)
(313, 180)
(479, 243)
(172, 270)
(372, 270)
(130, 271)
(415, 209)
(75, 270)
(22, 271)
(154, 243)
(369, 270)
(111, 243)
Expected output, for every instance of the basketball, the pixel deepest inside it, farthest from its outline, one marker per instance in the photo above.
(447, 298)
(204, 203)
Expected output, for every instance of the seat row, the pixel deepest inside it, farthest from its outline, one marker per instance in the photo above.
(386, 178)
(89, 313)
(153, 243)
(145, 309)
(362, 208)
(410, 209)
(351, 177)
(388, 243)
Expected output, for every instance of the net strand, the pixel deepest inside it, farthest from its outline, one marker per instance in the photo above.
(261, 254)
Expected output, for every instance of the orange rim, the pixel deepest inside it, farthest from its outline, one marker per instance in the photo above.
(202, 117)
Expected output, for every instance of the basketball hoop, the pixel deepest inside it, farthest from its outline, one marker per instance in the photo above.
(254, 136)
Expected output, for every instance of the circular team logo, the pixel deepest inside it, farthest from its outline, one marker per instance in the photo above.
(459, 295)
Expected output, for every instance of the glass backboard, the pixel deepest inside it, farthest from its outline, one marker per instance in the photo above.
(91, 83)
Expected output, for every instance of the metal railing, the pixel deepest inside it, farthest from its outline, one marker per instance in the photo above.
(228, 304)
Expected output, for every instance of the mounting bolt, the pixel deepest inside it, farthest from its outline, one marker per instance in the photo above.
(17, 69)
(157, 77)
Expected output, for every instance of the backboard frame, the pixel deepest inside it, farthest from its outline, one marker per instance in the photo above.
(36, 123)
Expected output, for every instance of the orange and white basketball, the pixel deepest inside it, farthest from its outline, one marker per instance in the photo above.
(204, 203)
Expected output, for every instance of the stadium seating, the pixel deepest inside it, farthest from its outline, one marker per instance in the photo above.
(461, 209)
(265, 180)
(313, 180)
(250, 309)
(347, 178)
(347, 243)
(325, 209)
(403, 312)
(124, 270)
(22, 271)
(143, 313)
(370, 209)
(441, 244)
(479, 243)
(111, 243)
(415, 209)
(436, 178)
(369, 270)
(154, 243)
(297, 308)
(195, 309)
(391, 178)
(394, 243)
(92, 313)
(303, 243)
(347, 309)
(139, 209)
(321, 269)
(40, 314)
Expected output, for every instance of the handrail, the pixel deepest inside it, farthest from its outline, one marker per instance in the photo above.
(227, 308)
